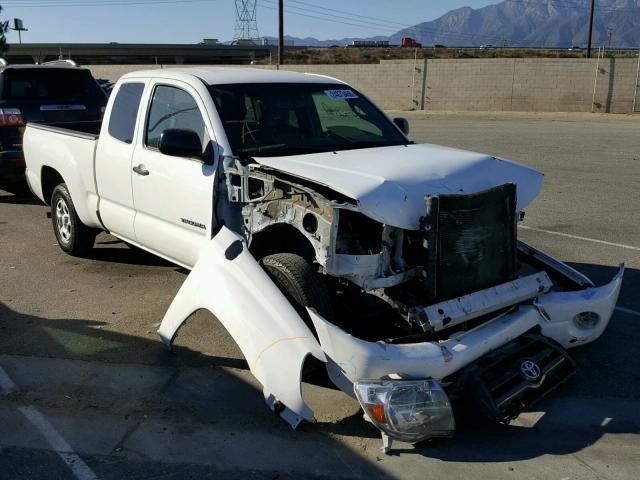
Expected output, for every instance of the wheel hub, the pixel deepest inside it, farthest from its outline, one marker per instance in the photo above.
(63, 220)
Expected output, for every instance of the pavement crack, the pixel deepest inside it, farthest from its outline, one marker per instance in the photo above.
(118, 447)
(170, 380)
(589, 467)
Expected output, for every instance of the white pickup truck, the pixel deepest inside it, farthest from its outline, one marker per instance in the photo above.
(314, 228)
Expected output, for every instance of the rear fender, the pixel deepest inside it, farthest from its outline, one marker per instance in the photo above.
(71, 155)
(228, 281)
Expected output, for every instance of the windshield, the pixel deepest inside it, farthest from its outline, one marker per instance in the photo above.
(272, 119)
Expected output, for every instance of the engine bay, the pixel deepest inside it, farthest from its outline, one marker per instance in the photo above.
(392, 284)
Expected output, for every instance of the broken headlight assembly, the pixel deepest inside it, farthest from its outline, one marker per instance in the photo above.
(407, 410)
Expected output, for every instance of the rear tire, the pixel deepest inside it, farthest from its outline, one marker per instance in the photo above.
(301, 284)
(73, 236)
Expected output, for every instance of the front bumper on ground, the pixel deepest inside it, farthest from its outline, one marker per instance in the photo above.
(351, 359)
(352, 362)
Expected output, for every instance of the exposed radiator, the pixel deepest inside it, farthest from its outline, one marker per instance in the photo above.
(470, 242)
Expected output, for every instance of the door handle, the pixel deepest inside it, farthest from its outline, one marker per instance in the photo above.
(140, 170)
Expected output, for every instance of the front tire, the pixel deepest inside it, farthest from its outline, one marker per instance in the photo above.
(301, 284)
(73, 236)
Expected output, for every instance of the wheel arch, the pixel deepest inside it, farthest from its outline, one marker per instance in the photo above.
(50, 178)
(84, 201)
(281, 238)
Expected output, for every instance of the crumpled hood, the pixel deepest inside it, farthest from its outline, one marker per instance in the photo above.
(390, 183)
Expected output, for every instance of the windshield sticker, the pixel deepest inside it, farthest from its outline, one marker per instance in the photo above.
(340, 94)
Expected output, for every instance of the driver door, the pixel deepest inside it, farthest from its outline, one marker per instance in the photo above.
(173, 196)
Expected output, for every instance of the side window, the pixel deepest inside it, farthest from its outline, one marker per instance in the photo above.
(122, 122)
(172, 107)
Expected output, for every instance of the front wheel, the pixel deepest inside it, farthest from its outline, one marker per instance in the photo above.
(73, 236)
(301, 284)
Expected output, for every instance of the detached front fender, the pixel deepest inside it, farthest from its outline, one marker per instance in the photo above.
(229, 282)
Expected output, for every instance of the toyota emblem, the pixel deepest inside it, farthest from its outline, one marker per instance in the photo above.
(530, 370)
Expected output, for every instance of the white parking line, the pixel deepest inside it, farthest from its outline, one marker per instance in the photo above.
(578, 237)
(59, 444)
(6, 384)
(80, 469)
(628, 311)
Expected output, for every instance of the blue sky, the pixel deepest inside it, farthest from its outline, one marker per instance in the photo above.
(189, 21)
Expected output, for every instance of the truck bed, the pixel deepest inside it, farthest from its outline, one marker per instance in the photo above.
(55, 151)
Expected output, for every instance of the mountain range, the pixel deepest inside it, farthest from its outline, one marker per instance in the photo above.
(521, 23)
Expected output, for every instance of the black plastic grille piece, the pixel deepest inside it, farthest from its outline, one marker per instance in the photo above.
(497, 383)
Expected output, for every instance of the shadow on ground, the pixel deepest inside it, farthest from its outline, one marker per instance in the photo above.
(19, 194)
(608, 368)
(193, 400)
(112, 250)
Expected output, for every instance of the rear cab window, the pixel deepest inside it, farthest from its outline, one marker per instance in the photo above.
(124, 113)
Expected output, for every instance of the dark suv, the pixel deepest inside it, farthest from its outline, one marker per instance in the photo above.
(56, 93)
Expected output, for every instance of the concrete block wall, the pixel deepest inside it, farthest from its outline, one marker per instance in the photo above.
(552, 85)
(473, 84)
(390, 85)
(616, 86)
(538, 85)
(529, 84)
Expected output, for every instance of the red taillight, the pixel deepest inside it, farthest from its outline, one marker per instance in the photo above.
(11, 117)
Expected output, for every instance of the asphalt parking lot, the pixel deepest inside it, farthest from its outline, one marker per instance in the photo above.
(89, 390)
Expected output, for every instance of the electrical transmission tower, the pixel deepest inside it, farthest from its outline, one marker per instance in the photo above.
(246, 23)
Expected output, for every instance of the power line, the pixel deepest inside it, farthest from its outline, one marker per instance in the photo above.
(363, 21)
(98, 3)
(344, 12)
(461, 36)
(574, 5)
(369, 25)
(90, 2)
(320, 18)
(319, 12)
(336, 19)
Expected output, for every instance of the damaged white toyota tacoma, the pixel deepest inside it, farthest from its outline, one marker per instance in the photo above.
(313, 227)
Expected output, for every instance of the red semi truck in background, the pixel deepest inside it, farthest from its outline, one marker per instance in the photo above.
(409, 42)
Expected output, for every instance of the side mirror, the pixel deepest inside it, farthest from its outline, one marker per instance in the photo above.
(179, 142)
(402, 124)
